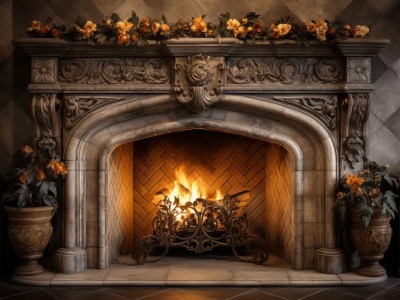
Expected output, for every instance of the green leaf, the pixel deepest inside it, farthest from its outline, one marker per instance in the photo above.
(134, 18)
(53, 188)
(43, 189)
(115, 17)
(164, 19)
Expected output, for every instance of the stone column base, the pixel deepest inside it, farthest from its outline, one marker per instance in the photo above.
(330, 261)
(70, 260)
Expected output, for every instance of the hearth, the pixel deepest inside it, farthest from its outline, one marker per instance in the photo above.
(304, 107)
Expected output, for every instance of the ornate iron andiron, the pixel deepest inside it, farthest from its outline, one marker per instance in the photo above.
(200, 226)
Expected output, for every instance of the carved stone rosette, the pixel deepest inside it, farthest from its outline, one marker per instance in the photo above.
(198, 81)
(43, 70)
(359, 70)
(356, 107)
(47, 122)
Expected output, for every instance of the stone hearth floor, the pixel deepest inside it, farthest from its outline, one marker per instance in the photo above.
(198, 271)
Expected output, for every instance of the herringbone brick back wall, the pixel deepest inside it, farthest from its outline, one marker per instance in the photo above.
(221, 161)
(279, 205)
(120, 201)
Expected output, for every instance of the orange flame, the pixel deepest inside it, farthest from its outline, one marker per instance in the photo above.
(187, 191)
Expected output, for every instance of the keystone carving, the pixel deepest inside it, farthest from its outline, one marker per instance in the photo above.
(357, 109)
(198, 81)
(47, 122)
(115, 70)
(284, 70)
(323, 107)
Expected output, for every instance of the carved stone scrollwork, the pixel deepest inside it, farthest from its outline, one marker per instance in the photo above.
(284, 70)
(324, 107)
(43, 70)
(115, 71)
(357, 108)
(198, 81)
(47, 118)
(75, 107)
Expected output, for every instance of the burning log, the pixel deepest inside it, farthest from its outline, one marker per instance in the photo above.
(200, 225)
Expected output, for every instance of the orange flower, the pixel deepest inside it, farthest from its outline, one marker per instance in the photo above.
(340, 195)
(23, 176)
(354, 181)
(88, 29)
(57, 167)
(56, 33)
(199, 25)
(27, 150)
(374, 193)
(135, 38)
(123, 39)
(40, 175)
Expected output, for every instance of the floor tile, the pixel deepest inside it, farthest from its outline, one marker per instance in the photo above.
(329, 294)
(71, 291)
(32, 295)
(8, 288)
(390, 294)
(135, 292)
(255, 295)
(291, 293)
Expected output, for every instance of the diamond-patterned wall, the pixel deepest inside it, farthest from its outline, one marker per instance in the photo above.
(382, 16)
(279, 205)
(215, 160)
(120, 202)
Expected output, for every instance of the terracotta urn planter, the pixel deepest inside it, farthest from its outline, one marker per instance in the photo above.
(371, 242)
(29, 233)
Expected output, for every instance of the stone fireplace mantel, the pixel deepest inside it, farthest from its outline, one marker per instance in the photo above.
(313, 100)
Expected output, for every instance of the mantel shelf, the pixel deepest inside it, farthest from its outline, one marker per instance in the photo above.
(41, 47)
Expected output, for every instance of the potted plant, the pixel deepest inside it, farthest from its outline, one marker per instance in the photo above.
(367, 200)
(31, 204)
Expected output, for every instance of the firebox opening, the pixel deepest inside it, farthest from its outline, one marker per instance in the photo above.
(219, 162)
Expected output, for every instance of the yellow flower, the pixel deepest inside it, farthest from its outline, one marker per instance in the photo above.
(258, 28)
(124, 26)
(108, 23)
(144, 25)
(199, 25)
(232, 24)
(165, 27)
(36, 26)
(360, 31)
(88, 29)
(155, 26)
(347, 27)
(244, 21)
(321, 29)
(249, 29)
(280, 30)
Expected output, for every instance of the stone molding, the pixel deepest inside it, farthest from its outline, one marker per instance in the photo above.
(43, 70)
(358, 69)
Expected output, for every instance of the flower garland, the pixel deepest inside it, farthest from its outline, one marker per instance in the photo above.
(249, 28)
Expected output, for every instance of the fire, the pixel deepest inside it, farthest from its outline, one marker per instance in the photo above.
(186, 191)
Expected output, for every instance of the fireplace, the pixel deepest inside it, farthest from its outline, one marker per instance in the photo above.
(285, 121)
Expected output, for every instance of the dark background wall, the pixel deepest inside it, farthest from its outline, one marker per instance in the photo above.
(382, 16)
